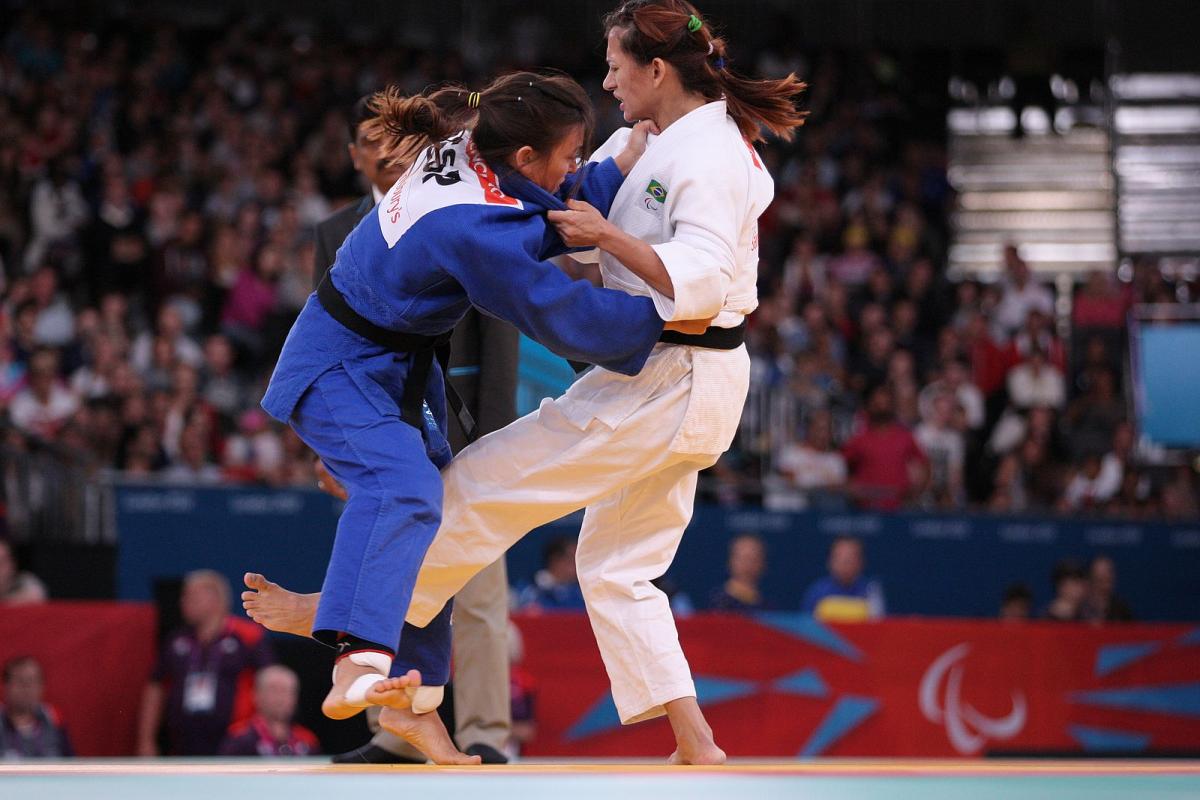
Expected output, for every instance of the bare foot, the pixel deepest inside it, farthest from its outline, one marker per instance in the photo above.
(276, 608)
(345, 675)
(426, 733)
(393, 692)
(709, 755)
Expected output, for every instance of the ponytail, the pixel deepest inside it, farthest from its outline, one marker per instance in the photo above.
(405, 125)
(674, 31)
(515, 110)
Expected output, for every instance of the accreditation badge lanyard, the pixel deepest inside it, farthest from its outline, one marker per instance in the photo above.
(200, 683)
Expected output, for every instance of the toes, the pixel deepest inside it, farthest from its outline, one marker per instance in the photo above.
(255, 581)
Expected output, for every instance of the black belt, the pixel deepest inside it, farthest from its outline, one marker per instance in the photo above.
(713, 338)
(423, 348)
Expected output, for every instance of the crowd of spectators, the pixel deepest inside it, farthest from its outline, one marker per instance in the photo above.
(158, 189)
(879, 382)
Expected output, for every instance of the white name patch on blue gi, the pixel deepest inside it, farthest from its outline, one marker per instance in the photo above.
(447, 174)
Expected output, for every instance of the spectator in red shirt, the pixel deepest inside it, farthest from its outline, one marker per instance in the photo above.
(1100, 303)
(991, 361)
(886, 464)
(271, 731)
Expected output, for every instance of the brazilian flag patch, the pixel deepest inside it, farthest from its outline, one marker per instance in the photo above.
(657, 191)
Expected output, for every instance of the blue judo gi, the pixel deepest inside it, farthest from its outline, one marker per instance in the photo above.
(448, 234)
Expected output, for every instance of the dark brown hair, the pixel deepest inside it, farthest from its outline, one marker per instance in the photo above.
(515, 110)
(651, 29)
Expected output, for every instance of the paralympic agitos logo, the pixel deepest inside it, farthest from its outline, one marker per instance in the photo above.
(940, 699)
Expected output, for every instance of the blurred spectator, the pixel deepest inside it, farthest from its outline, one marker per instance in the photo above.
(1021, 294)
(193, 464)
(224, 389)
(17, 587)
(1100, 303)
(57, 211)
(271, 731)
(844, 595)
(814, 465)
(1179, 495)
(1102, 603)
(523, 693)
(747, 563)
(556, 586)
(1037, 334)
(1070, 591)
(55, 325)
(94, 379)
(955, 379)
(1088, 487)
(29, 728)
(1017, 603)
(886, 463)
(1036, 382)
(44, 406)
(171, 335)
(251, 300)
(1092, 418)
(941, 439)
(202, 681)
(1117, 461)
(255, 453)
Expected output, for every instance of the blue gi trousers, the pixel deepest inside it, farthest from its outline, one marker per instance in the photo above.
(395, 507)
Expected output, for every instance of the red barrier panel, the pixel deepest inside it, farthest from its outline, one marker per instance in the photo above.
(97, 658)
(784, 685)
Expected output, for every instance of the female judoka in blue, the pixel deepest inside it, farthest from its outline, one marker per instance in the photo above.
(357, 378)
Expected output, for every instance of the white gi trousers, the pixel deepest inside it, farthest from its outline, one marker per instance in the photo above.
(627, 448)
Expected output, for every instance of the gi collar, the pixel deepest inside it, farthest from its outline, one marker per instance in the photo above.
(514, 184)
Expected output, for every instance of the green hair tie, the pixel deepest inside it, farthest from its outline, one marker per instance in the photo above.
(694, 23)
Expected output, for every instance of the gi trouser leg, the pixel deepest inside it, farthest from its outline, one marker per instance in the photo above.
(391, 517)
(544, 466)
(627, 540)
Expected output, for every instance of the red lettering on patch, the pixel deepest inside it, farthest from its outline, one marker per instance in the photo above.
(394, 208)
(487, 179)
(753, 154)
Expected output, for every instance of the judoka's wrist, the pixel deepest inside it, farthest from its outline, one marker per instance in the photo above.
(625, 161)
(610, 235)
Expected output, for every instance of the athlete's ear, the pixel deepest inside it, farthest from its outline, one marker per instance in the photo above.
(658, 72)
(523, 157)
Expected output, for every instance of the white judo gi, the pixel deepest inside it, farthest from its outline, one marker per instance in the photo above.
(628, 448)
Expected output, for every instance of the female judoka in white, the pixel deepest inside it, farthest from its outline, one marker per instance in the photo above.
(683, 230)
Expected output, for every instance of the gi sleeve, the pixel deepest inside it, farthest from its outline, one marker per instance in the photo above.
(607, 151)
(704, 213)
(493, 259)
(596, 183)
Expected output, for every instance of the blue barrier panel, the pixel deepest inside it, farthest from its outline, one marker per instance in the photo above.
(166, 531)
(941, 565)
